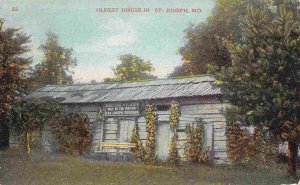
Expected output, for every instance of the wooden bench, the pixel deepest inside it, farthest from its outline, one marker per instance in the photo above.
(115, 155)
(118, 145)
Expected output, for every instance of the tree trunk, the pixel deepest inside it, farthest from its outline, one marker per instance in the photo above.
(28, 143)
(4, 133)
(293, 154)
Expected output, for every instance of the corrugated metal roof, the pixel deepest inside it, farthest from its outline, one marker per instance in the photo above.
(119, 92)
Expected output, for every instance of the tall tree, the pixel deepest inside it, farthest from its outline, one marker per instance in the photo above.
(55, 65)
(132, 68)
(263, 81)
(181, 70)
(291, 5)
(13, 64)
(205, 41)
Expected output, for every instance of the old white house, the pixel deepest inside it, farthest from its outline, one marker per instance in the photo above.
(115, 108)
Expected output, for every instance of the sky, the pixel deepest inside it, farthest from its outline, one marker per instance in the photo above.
(99, 38)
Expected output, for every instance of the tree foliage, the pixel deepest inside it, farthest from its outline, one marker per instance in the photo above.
(132, 68)
(262, 82)
(237, 143)
(181, 70)
(28, 117)
(13, 67)
(263, 149)
(55, 66)
(204, 44)
(245, 148)
(72, 131)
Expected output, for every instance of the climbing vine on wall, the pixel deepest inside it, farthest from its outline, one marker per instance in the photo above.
(175, 113)
(244, 148)
(139, 149)
(151, 120)
(237, 143)
(173, 158)
(195, 149)
(265, 148)
(99, 115)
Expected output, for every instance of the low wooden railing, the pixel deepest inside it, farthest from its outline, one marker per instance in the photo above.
(115, 145)
(118, 145)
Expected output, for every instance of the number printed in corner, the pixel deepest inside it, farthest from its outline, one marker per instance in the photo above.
(14, 9)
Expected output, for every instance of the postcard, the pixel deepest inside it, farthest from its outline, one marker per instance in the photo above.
(149, 92)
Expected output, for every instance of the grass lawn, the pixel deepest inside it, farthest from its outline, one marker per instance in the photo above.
(68, 170)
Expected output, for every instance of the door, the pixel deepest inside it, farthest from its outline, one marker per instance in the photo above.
(163, 140)
(126, 127)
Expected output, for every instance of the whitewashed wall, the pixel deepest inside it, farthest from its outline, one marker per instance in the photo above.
(212, 113)
(210, 110)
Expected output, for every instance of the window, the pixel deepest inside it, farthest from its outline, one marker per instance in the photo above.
(163, 107)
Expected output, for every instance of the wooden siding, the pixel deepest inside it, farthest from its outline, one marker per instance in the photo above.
(213, 115)
(210, 110)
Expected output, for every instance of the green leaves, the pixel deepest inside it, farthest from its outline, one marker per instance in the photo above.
(175, 113)
(56, 63)
(173, 158)
(194, 149)
(139, 149)
(151, 121)
(244, 148)
(263, 79)
(28, 117)
(13, 65)
(72, 131)
(132, 68)
(212, 42)
(31, 115)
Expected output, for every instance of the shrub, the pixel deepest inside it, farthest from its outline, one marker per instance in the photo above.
(264, 149)
(237, 143)
(27, 119)
(173, 158)
(139, 149)
(194, 149)
(245, 148)
(72, 132)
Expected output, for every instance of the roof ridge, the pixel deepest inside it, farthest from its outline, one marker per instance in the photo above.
(125, 82)
(128, 87)
(118, 92)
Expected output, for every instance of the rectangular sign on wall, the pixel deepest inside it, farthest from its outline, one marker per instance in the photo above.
(122, 109)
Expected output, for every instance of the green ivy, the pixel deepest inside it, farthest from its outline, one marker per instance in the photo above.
(195, 150)
(173, 158)
(175, 113)
(151, 121)
(245, 148)
(138, 151)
